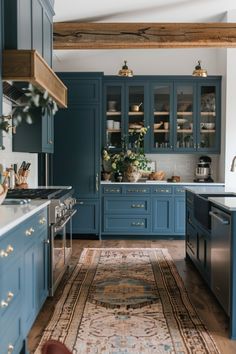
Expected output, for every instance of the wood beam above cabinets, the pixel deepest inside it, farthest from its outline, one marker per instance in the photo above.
(79, 35)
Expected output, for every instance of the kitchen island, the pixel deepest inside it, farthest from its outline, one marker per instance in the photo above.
(23, 270)
(145, 210)
(210, 243)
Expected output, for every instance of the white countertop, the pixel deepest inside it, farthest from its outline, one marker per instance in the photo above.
(165, 182)
(228, 203)
(208, 188)
(12, 215)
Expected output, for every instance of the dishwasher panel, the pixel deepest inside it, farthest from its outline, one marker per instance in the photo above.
(220, 256)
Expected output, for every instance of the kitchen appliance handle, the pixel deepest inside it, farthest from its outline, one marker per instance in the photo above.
(97, 182)
(60, 226)
(222, 220)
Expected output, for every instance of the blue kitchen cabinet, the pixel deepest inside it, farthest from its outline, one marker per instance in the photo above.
(162, 215)
(76, 159)
(23, 279)
(1, 34)
(120, 95)
(179, 216)
(88, 220)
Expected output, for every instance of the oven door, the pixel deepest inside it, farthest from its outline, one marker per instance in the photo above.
(60, 249)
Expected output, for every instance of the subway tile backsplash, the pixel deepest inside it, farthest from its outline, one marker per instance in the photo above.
(183, 165)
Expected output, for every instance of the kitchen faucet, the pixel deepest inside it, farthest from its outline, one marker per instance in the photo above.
(233, 167)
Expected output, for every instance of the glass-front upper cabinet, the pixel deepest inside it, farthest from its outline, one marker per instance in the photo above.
(114, 107)
(184, 117)
(135, 112)
(208, 112)
(161, 121)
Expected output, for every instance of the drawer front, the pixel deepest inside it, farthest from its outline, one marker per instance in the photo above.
(10, 248)
(137, 190)
(121, 224)
(41, 220)
(126, 205)
(11, 285)
(162, 190)
(34, 226)
(179, 190)
(112, 190)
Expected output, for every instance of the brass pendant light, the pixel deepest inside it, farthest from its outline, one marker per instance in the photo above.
(125, 71)
(198, 71)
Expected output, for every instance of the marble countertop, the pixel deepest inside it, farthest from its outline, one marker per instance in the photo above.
(12, 215)
(221, 184)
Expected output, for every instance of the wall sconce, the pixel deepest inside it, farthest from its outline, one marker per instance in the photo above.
(125, 71)
(233, 167)
(198, 71)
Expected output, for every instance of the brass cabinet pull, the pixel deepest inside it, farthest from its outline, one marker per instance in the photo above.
(42, 221)
(29, 232)
(10, 296)
(137, 224)
(5, 253)
(112, 190)
(137, 190)
(162, 190)
(10, 349)
(4, 304)
(137, 206)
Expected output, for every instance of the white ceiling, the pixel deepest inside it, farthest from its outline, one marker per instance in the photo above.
(143, 10)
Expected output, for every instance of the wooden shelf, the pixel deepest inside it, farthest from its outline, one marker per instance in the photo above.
(184, 113)
(113, 113)
(184, 131)
(161, 130)
(208, 114)
(136, 113)
(208, 131)
(113, 130)
(161, 113)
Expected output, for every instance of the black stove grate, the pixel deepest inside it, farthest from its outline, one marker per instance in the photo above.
(35, 193)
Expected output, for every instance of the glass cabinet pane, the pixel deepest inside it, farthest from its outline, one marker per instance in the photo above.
(136, 106)
(207, 120)
(113, 117)
(184, 118)
(161, 117)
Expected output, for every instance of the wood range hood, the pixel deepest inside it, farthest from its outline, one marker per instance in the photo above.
(28, 66)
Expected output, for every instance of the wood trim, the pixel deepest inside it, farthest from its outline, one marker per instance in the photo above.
(78, 35)
(29, 66)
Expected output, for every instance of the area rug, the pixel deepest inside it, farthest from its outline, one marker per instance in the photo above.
(127, 301)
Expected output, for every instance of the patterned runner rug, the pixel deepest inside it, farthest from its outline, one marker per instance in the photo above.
(127, 301)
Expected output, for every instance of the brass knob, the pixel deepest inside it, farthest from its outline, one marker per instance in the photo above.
(28, 233)
(9, 249)
(4, 304)
(31, 229)
(10, 296)
(10, 349)
(3, 254)
(42, 221)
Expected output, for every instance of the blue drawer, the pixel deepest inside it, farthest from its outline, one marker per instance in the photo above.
(164, 189)
(137, 190)
(126, 224)
(112, 189)
(10, 246)
(126, 205)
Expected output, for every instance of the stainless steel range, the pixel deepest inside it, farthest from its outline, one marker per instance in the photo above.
(60, 216)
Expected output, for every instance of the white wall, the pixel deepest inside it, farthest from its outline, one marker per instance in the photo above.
(7, 157)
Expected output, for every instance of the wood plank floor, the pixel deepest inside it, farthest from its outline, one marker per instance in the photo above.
(207, 307)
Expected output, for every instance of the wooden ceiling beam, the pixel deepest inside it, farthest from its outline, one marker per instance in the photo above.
(78, 35)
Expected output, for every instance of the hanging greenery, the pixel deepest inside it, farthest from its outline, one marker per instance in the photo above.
(35, 99)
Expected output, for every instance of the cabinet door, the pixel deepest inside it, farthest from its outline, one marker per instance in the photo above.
(86, 220)
(136, 112)
(162, 215)
(47, 133)
(161, 117)
(184, 116)
(208, 114)
(47, 38)
(29, 287)
(37, 26)
(114, 115)
(41, 270)
(77, 150)
(179, 217)
(1, 31)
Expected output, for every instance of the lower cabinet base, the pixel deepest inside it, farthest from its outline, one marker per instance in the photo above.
(112, 236)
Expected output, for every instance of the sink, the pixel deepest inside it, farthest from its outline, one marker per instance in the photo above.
(201, 207)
